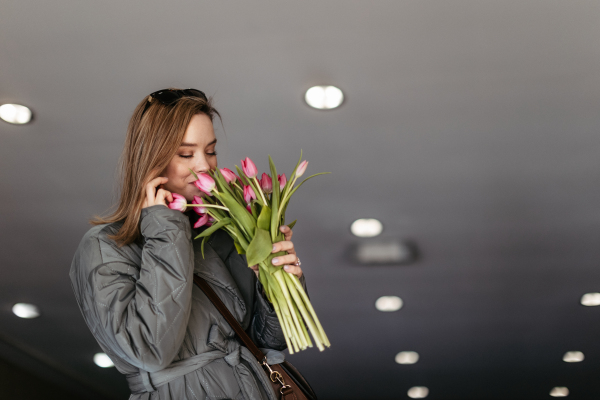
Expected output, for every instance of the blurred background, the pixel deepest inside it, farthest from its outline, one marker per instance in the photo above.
(466, 145)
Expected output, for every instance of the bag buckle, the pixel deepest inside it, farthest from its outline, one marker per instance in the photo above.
(275, 376)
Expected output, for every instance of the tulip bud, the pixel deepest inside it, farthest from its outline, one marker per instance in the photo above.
(249, 168)
(301, 168)
(249, 208)
(266, 184)
(199, 210)
(179, 202)
(201, 221)
(211, 220)
(282, 181)
(229, 175)
(249, 194)
(205, 183)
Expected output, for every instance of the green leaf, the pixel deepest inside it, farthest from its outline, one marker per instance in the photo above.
(193, 173)
(202, 246)
(254, 207)
(239, 213)
(242, 175)
(260, 247)
(291, 224)
(208, 231)
(296, 188)
(264, 219)
(274, 199)
(239, 248)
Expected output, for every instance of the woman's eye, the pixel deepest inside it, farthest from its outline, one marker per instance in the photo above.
(182, 156)
(212, 154)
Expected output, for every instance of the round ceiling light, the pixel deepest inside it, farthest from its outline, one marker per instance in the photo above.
(407, 357)
(559, 391)
(418, 392)
(102, 360)
(388, 303)
(573, 356)
(324, 97)
(24, 310)
(366, 227)
(15, 114)
(591, 299)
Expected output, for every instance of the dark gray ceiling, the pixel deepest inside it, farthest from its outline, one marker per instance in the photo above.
(471, 127)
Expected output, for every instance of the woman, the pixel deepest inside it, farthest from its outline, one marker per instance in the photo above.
(132, 273)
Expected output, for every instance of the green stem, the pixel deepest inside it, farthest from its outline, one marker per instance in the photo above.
(288, 298)
(307, 318)
(208, 206)
(311, 309)
(262, 195)
(281, 322)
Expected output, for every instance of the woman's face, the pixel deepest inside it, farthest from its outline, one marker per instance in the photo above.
(196, 152)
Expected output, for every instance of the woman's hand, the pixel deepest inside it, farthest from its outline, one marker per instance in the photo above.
(290, 258)
(160, 196)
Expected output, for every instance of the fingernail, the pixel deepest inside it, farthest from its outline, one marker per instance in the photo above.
(275, 260)
(273, 248)
(287, 267)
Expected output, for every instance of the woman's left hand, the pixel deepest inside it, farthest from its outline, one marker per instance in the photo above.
(288, 259)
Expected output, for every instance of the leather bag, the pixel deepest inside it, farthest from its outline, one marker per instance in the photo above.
(288, 383)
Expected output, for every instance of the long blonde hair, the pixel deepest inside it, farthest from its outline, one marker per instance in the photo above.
(153, 138)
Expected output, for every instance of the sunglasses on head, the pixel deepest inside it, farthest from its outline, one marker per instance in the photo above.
(170, 96)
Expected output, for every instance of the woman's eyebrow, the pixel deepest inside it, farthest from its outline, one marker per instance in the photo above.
(184, 144)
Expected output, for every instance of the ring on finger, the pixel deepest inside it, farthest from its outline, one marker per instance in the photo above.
(297, 263)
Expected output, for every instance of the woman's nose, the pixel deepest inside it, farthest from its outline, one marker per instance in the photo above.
(201, 165)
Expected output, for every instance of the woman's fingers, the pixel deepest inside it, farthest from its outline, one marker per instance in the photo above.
(292, 269)
(286, 259)
(151, 191)
(284, 246)
(163, 196)
(287, 232)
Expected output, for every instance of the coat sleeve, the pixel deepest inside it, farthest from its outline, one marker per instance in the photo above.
(265, 329)
(143, 310)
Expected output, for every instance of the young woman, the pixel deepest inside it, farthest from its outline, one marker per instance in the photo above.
(132, 273)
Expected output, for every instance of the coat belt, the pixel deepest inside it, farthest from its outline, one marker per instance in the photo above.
(145, 381)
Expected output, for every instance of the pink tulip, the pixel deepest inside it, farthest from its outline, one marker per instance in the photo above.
(205, 183)
(282, 181)
(301, 168)
(211, 220)
(179, 202)
(201, 221)
(249, 168)
(266, 184)
(249, 194)
(249, 208)
(199, 210)
(229, 175)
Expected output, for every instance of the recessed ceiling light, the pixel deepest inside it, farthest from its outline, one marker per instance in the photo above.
(388, 303)
(407, 357)
(573, 356)
(418, 392)
(591, 299)
(324, 97)
(384, 252)
(366, 227)
(102, 360)
(15, 114)
(559, 391)
(25, 310)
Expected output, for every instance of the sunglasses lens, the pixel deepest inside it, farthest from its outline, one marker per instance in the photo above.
(167, 96)
(195, 93)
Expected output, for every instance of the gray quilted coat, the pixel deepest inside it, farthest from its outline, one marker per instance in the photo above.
(159, 329)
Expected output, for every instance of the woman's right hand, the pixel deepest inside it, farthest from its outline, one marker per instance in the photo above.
(160, 196)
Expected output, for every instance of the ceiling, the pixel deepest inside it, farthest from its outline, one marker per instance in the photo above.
(470, 127)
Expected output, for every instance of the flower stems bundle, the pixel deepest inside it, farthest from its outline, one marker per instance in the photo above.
(251, 211)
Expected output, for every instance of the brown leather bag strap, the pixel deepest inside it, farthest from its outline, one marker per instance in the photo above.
(212, 296)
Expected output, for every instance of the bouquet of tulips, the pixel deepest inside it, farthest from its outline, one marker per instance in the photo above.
(251, 212)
